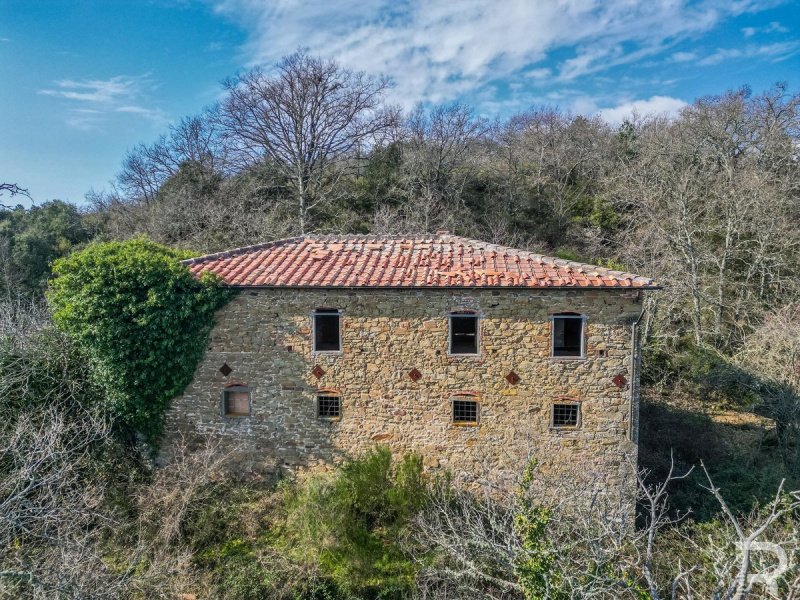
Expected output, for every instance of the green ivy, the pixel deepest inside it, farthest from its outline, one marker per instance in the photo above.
(537, 571)
(142, 320)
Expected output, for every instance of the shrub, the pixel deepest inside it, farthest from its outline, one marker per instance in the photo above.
(39, 365)
(142, 320)
(350, 524)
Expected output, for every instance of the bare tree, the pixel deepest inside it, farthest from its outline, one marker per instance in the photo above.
(193, 140)
(588, 547)
(50, 506)
(12, 189)
(307, 119)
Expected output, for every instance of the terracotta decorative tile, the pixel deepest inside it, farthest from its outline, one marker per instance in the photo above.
(619, 380)
(415, 375)
(318, 372)
(512, 378)
(225, 369)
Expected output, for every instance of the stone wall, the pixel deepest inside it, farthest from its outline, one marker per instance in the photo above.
(264, 336)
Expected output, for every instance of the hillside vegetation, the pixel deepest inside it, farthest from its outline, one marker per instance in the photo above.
(706, 202)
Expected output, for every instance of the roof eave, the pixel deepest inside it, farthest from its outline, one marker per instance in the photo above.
(443, 287)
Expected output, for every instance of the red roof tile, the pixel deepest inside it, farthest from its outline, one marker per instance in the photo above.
(437, 261)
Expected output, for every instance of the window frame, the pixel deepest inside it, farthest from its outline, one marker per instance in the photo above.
(224, 402)
(468, 314)
(566, 402)
(327, 394)
(465, 398)
(325, 312)
(567, 315)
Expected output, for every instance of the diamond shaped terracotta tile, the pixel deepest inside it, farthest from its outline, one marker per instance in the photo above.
(225, 369)
(512, 378)
(318, 372)
(619, 380)
(415, 375)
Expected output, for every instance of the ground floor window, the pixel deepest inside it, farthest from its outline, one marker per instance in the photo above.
(465, 410)
(329, 406)
(236, 401)
(566, 414)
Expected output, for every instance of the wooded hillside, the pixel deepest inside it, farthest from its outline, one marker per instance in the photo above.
(707, 202)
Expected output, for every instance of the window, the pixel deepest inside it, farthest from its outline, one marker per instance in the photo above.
(329, 406)
(568, 335)
(465, 410)
(566, 414)
(463, 333)
(327, 330)
(236, 401)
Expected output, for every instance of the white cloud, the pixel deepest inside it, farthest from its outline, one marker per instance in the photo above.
(438, 49)
(542, 73)
(683, 56)
(655, 106)
(91, 101)
(773, 27)
(778, 51)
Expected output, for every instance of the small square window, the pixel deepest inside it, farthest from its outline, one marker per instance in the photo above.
(236, 402)
(566, 414)
(327, 331)
(568, 335)
(463, 333)
(329, 406)
(465, 411)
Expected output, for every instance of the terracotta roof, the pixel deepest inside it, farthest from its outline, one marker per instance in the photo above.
(425, 261)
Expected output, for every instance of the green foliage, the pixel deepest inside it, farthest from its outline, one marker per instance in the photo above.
(141, 318)
(702, 371)
(328, 537)
(739, 455)
(568, 254)
(30, 239)
(350, 524)
(44, 368)
(597, 212)
(537, 571)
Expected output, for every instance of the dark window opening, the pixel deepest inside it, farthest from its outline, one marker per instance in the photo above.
(565, 415)
(465, 411)
(236, 402)
(463, 334)
(567, 335)
(329, 406)
(327, 336)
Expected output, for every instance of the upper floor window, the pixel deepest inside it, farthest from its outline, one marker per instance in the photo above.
(463, 333)
(327, 330)
(568, 335)
(236, 401)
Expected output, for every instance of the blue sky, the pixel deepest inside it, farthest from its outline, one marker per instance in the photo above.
(82, 81)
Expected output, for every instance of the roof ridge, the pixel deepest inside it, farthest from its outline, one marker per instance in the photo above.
(242, 250)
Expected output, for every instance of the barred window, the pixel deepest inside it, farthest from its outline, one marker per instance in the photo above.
(236, 401)
(329, 406)
(568, 334)
(465, 410)
(463, 333)
(327, 330)
(566, 414)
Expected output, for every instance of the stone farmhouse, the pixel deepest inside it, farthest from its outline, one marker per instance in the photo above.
(476, 356)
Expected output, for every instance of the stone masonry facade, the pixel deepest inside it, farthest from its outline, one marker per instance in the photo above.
(264, 336)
